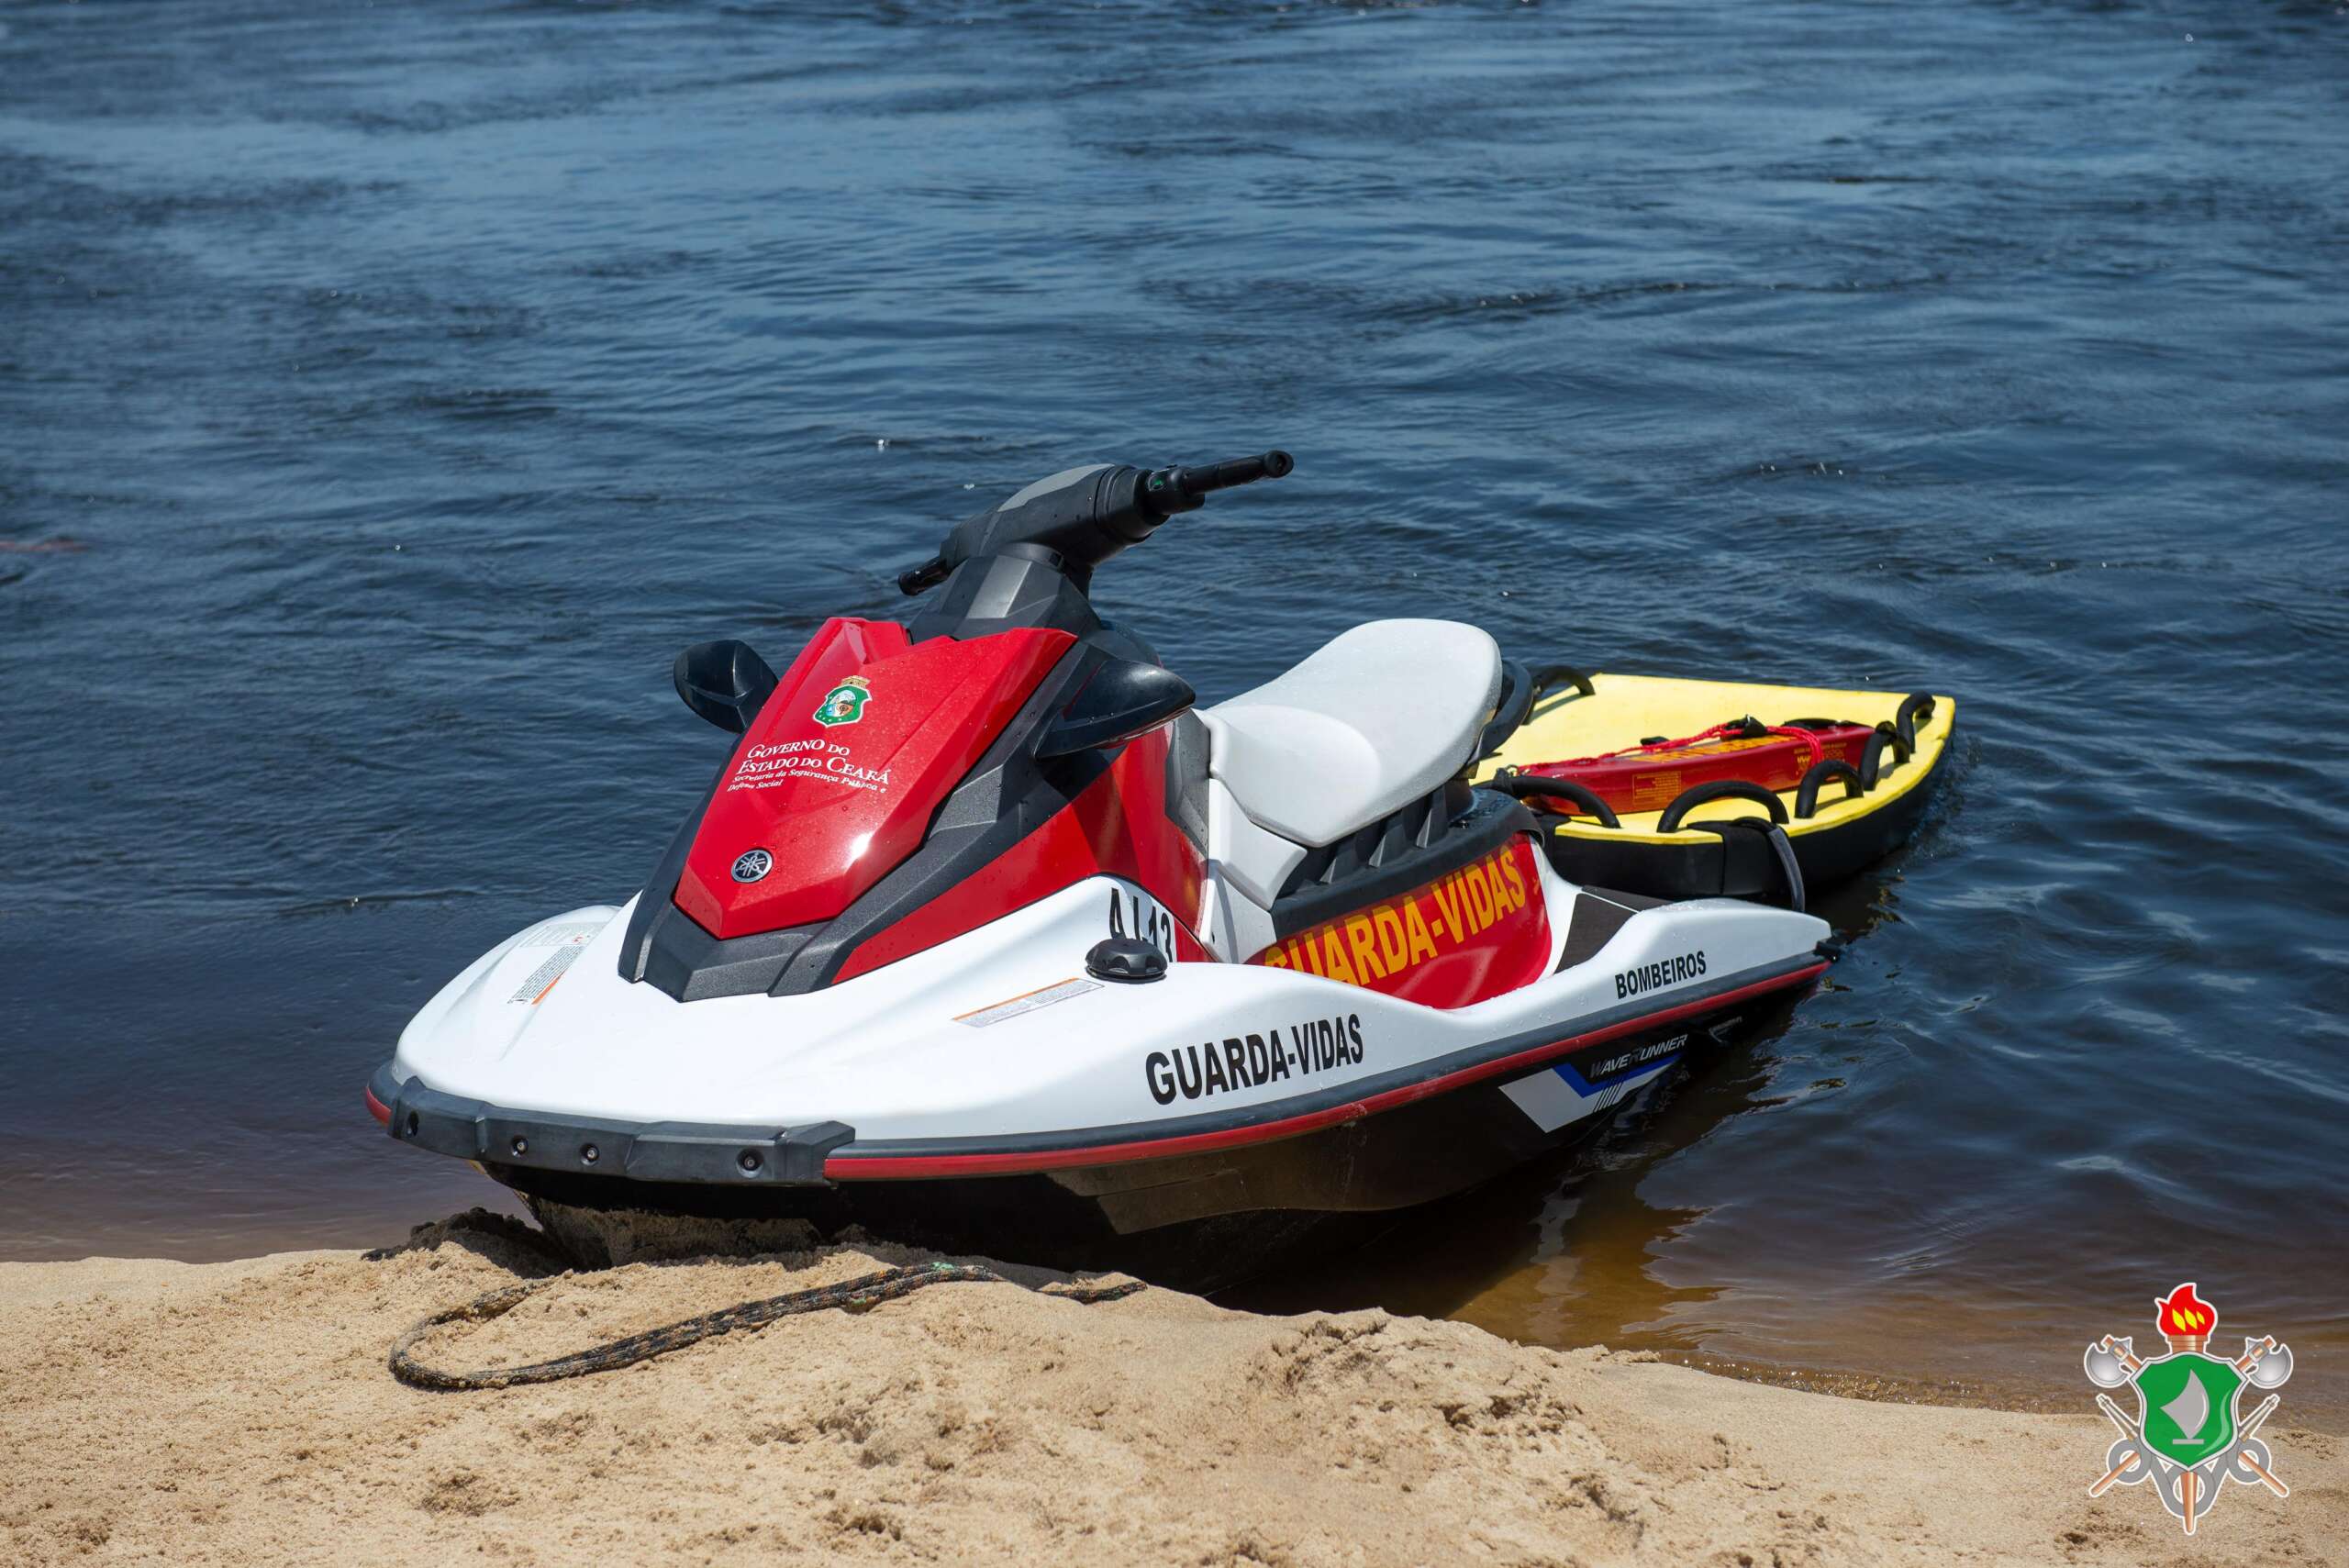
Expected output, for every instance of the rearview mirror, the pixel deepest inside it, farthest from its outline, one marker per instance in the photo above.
(1123, 699)
(725, 683)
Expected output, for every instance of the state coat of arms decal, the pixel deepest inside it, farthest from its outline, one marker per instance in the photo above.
(845, 703)
(2189, 1436)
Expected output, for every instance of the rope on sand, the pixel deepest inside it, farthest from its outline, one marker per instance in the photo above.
(860, 1295)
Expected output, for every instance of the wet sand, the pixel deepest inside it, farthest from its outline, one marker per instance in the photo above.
(241, 1412)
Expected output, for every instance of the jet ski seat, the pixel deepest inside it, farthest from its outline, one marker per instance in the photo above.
(1379, 717)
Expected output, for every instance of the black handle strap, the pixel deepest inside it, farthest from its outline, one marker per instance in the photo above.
(1915, 710)
(1718, 789)
(1806, 792)
(1520, 689)
(1782, 852)
(1516, 702)
(1525, 786)
(1548, 678)
(1872, 766)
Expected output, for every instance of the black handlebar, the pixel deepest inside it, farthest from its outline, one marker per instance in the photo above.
(1074, 521)
(1167, 490)
(923, 578)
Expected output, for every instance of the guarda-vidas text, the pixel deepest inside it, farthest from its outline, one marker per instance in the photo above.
(1243, 1062)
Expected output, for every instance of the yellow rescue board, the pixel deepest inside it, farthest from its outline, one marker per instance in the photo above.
(1621, 711)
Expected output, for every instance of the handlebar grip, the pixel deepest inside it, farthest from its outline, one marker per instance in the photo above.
(1239, 471)
(1168, 491)
(922, 579)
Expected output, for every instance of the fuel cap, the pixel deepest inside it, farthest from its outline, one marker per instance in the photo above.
(1128, 961)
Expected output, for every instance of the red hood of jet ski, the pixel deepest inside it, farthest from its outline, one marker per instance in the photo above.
(836, 781)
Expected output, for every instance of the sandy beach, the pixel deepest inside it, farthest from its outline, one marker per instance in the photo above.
(154, 1411)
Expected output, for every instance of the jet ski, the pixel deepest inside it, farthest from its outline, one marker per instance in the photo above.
(984, 935)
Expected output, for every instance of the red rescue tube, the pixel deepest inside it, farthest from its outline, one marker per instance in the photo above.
(1648, 778)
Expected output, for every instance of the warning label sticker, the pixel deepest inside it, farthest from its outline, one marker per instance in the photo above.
(549, 970)
(1027, 1003)
(562, 933)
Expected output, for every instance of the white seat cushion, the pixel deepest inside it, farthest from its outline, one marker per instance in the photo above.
(1376, 719)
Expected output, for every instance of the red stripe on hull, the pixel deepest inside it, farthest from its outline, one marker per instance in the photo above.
(892, 1167)
(376, 1108)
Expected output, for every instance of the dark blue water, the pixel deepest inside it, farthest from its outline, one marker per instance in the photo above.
(386, 395)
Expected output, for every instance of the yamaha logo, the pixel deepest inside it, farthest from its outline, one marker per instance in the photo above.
(752, 865)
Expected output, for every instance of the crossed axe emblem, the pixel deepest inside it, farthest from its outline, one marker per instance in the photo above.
(2187, 1490)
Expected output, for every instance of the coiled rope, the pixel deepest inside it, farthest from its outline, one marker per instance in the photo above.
(859, 1295)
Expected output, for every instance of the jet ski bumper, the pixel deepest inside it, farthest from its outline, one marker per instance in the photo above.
(701, 1152)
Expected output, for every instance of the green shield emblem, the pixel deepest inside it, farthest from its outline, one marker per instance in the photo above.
(2189, 1407)
(844, 704)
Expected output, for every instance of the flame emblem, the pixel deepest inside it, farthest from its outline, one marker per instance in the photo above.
(2185, 1314)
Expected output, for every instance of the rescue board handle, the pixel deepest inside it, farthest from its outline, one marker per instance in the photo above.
(1521, 689)
(1806, 792)
(1548, 678)
(1915, 710)
(1718, 789)
(1782, 853)
(1872, 760)
(1522, 786)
